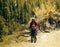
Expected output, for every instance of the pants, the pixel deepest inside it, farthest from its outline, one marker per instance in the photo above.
(33, 39)
(33, 35)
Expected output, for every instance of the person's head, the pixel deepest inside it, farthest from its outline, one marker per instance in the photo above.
(33, 20)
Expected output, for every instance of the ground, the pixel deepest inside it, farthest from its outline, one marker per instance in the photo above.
(44, 39)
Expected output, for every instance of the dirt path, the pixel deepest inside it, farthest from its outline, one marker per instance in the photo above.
(51, 39)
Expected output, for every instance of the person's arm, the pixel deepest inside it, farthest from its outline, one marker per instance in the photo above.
(30, 25)
(37, 24)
